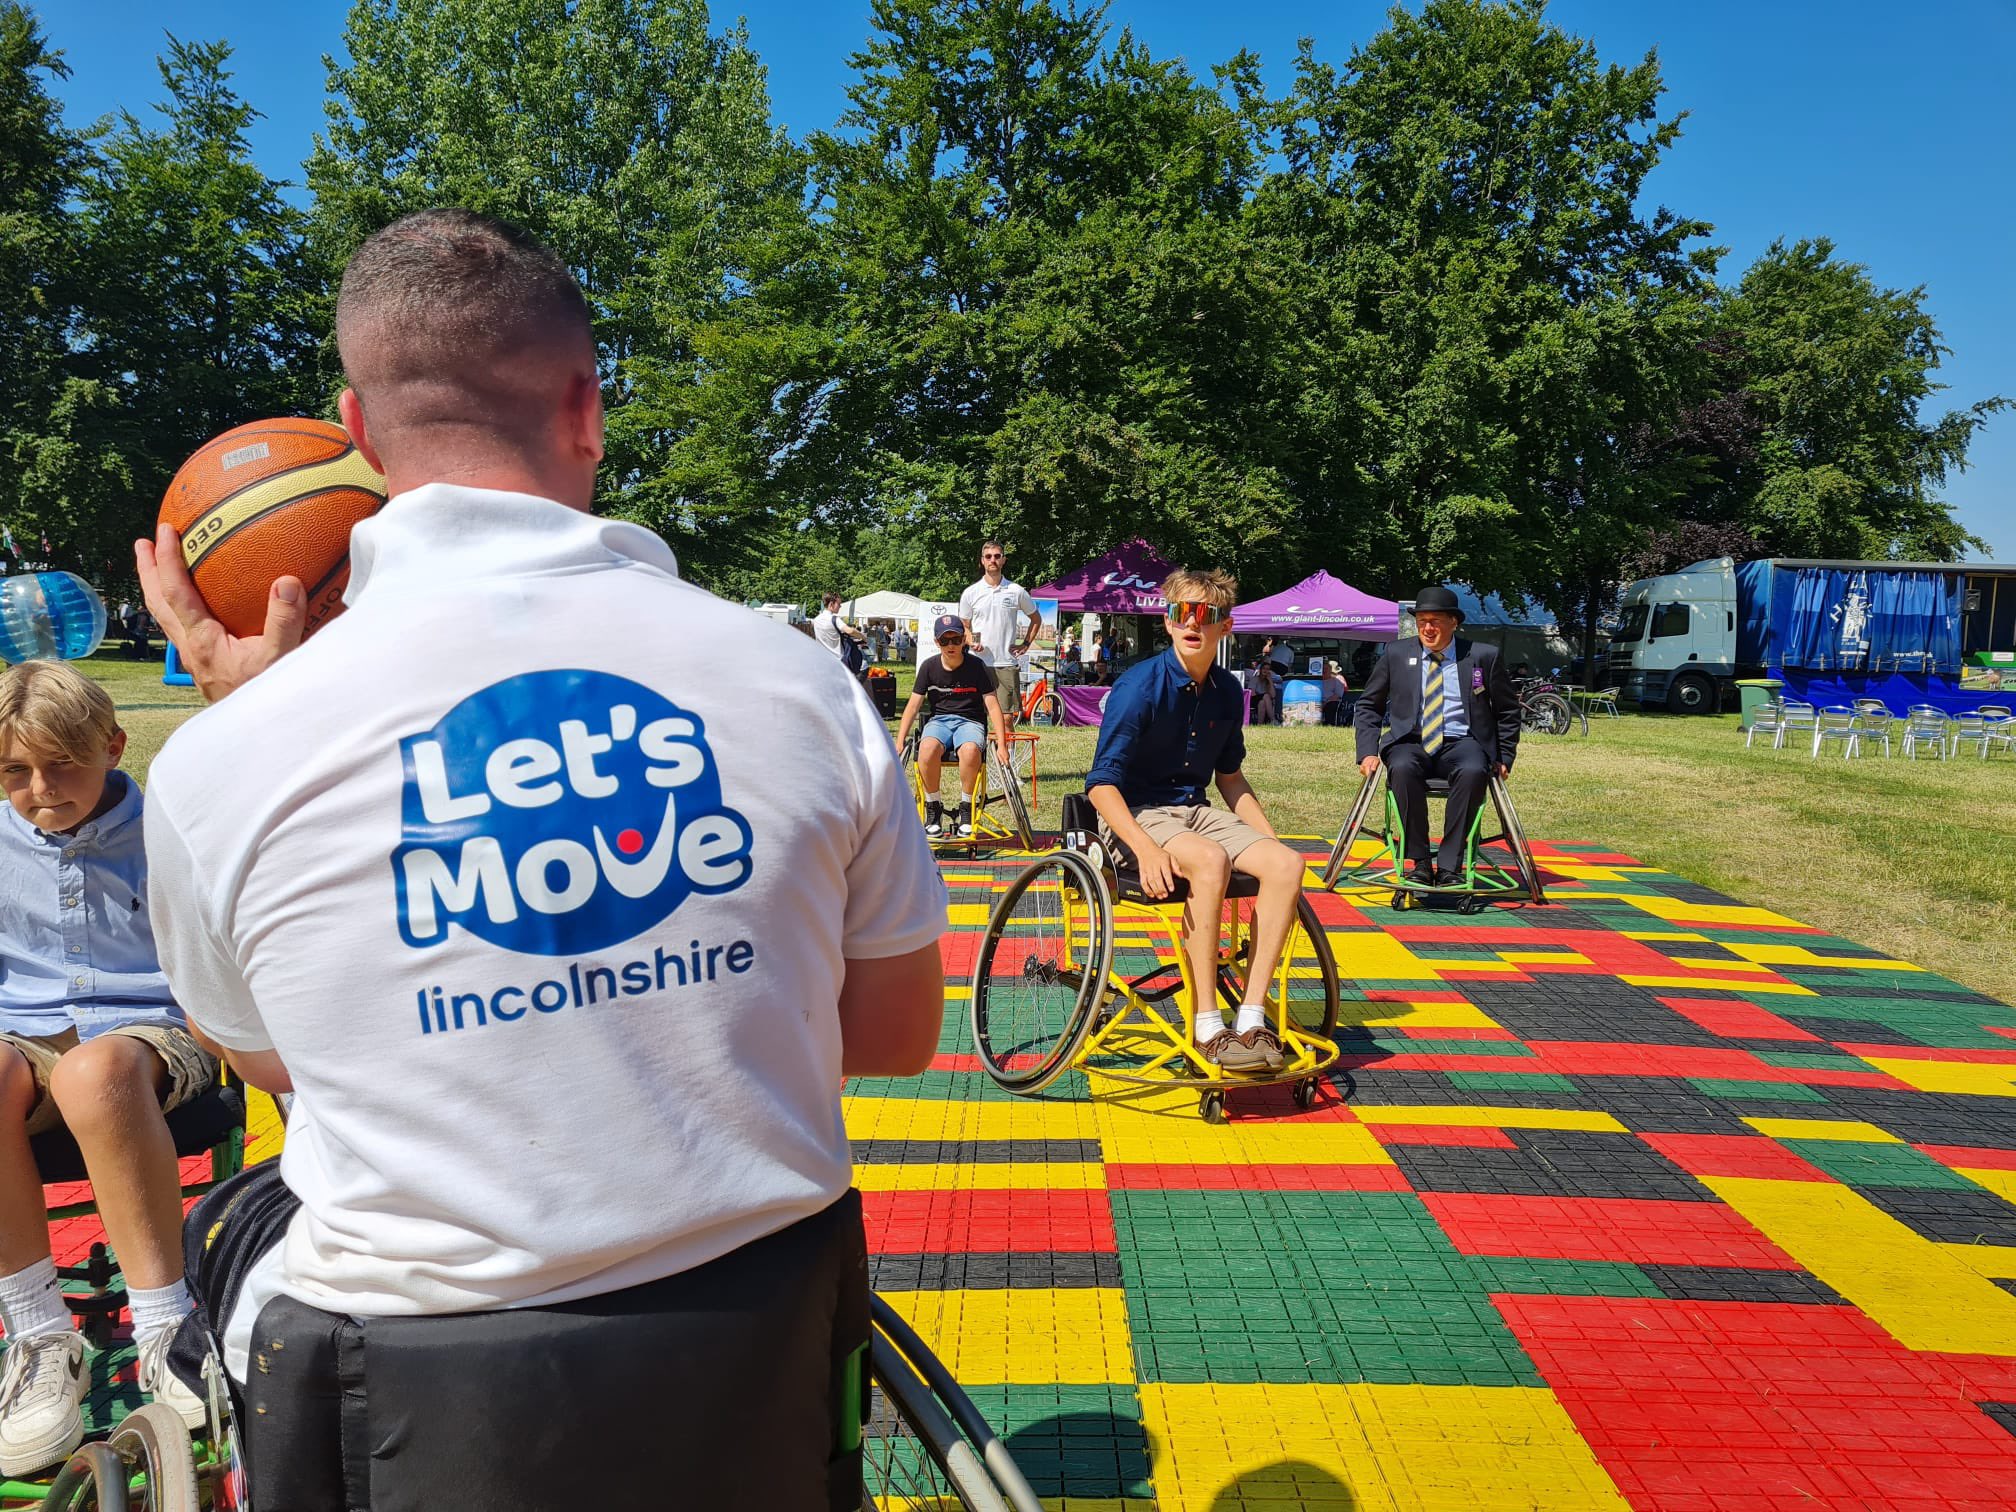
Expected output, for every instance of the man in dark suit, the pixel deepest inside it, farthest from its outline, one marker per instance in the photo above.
(1449, 711)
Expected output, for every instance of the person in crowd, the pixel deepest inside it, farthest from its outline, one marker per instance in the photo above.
(641, 906)
(1172, 724)
(1003, 622)
(1266, 692)
(1448, 710)
(906, 643)
(91, 1040)
(835, 633)
(964, 708)
(1335, 691)
(1099, 665)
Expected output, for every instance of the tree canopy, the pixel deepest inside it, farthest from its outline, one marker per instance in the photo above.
(1418, 317)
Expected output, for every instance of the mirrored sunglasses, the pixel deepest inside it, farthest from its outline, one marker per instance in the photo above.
(1199, 614)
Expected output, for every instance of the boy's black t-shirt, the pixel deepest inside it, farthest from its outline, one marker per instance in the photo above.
(962, 692)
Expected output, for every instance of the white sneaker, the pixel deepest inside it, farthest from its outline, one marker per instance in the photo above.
(164, 1386)
(41, 1402)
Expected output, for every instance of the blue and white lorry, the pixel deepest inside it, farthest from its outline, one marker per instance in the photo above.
(1831, 630)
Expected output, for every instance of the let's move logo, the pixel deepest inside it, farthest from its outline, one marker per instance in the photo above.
(559, 813)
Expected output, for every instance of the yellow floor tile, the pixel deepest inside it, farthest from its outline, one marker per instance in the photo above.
(983, 1176)
(1374, 955)
(919, 1118)
(1911, 1287)
(1416, 1015)
(1733, 982)
(1026, 1336)
(1168, 1131)
(2001, 1183)
(1261, 1448)
(1845, 1129)
(1997, 1261)
(1799, 955)
(1950, 1076)
(1660, 906)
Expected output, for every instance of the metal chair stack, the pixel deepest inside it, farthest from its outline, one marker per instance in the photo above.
(1924, 730)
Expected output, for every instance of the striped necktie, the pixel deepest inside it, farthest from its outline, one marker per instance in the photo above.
(1431, 706)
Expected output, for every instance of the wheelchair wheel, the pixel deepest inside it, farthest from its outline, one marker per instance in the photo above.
(1003, 782)
(93, 1477)
(153, 1445)
(925, 1447)
(1312, 969)
(1041, 971)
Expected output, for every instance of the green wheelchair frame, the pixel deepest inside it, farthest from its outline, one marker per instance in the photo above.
(1485, 881)
(1045, 999)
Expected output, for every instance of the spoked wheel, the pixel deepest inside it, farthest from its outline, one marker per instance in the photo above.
(1547, 714)
(1049, 710)
(1312, 970)
(153, 1444)
(925, 1447)
(1003, 783)
(1042, 970)
(94, 1477)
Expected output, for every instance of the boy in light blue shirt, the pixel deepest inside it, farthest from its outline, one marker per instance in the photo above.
(91, 1039)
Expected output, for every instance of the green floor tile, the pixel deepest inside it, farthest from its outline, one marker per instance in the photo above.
(1511, 1081)
(1740, 1091)
(1871, 1164)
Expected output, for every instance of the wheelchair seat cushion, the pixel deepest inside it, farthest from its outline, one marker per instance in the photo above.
(198, 1125)
(1082, 830)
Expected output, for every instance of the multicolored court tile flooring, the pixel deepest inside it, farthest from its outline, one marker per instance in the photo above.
(1642, 1199)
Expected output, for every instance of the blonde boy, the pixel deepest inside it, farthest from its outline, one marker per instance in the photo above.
(90, 1038)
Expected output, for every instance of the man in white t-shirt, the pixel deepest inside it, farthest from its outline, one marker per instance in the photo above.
(561, 949)
(994, 609)
(830, 630)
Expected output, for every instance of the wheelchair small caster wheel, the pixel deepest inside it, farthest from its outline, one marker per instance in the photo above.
(1473, 906)
(1305, 1093)
(1211, 1107)
(1402, 901)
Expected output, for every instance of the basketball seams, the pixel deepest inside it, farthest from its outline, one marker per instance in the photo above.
(332, 436)
(284, 501)
(211, 508)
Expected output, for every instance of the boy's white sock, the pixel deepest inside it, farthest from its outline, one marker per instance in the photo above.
(1210, 1024)
(1251, 1016)
(158, 1309)
(31, 1302)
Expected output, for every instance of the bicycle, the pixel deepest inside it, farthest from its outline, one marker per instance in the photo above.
(1544, 710)
(1042, 705)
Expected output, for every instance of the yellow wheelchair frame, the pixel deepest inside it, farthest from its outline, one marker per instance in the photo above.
(1000, 813)
(1045, 999)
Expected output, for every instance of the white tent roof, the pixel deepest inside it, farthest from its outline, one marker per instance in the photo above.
(884, 603)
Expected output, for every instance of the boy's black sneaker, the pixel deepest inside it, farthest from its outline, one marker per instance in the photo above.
(934, 818)
(965, 820)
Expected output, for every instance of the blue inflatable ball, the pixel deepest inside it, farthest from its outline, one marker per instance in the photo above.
(49, 615)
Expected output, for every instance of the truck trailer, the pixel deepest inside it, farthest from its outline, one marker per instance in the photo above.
(1832, 631)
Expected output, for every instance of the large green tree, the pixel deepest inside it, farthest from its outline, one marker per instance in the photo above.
(625, 134)
(190, 312)
(41, 165)
(1506, 330)
(1838, 373)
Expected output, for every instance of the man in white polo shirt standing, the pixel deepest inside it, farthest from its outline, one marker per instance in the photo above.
(994, 609)
(562, 952)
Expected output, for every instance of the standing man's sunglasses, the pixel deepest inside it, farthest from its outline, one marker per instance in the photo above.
(1199, 614)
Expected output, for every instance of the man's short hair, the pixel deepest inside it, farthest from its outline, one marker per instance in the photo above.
(990, 542)
(51, 709)
(453, 316)
(830, 600)
(1215, 587)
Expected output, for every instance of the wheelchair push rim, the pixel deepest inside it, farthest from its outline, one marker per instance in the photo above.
(1041, 971)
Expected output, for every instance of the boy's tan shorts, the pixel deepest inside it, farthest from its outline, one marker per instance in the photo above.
(1164, 822)
(191, 1069)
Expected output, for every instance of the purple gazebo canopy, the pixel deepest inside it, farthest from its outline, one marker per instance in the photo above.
(1320, 605)
(1126, 580)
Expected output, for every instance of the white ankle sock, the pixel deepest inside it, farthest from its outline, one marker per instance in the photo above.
(1251, 1016)
(1210, 1024)
(31, 1302)
(157, 1309)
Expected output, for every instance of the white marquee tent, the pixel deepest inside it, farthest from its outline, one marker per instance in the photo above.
(882, 604)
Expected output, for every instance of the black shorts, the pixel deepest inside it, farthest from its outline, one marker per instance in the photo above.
(721, 1387)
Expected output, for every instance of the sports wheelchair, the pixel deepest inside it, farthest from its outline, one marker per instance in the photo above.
(1000, 812)
(150, 1446)
(1045, 998)
(1485, 881)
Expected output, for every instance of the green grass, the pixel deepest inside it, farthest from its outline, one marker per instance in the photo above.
(1915, 859)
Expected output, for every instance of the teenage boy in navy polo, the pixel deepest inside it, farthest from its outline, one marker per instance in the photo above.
(1170, 723)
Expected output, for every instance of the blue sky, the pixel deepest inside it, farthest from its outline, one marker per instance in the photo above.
(1884, 128)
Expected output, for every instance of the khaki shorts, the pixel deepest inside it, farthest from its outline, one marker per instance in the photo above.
(1165, 822)
(191, 1069)
(1008, 688)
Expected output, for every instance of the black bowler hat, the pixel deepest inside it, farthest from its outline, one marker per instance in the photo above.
(1436, 600)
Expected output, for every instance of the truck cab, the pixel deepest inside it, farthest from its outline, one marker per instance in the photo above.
(1676, 647)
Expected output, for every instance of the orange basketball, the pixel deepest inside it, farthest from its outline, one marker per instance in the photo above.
(272, 499)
